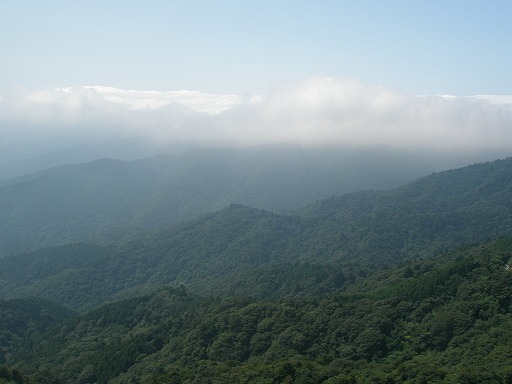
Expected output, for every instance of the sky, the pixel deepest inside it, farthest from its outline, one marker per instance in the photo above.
(459, 47)
(396, 72)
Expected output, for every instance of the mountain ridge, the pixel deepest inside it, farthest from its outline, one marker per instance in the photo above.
(370, 229)
(77, 202)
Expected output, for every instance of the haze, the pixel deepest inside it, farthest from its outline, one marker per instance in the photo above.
(429, 76)
(317, 111)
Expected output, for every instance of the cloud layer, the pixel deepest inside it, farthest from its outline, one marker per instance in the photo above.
(317, 111)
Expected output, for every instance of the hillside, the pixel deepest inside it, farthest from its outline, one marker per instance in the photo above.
(445, 319)
(440, 211)
(21, 318)
(219, 253)
(111, 198)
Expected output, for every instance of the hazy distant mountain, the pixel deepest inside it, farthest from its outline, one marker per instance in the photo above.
(74, 202)
(334, 308)
(217, 252)
(32, 158)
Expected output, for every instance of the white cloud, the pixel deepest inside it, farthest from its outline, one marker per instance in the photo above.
(138, 100)
(320, 110)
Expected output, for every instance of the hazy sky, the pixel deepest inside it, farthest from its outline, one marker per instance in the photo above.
(459, 47)
(358, 72)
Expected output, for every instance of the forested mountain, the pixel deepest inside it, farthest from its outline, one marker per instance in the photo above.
(369, 286)
(221, 253)
(445, 209)
(23, 317)
(444, 319)
(34, 157)
(112, 198)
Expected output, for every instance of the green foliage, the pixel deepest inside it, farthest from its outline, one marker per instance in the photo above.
(10, 375)
(23, 317)
(435, 213)
(380, 329)
(263, 254)
(113, 199)
(339, 293)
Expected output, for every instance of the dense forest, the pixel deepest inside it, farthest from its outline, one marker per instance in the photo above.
(411, 284)
(113, 198)
(444, 319)
(360, 231)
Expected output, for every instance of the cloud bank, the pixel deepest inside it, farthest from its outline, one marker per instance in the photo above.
(317, 111)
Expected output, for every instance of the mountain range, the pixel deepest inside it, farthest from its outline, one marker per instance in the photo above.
(226, 266)
(370, 228)
(443, 319)
(108, 197)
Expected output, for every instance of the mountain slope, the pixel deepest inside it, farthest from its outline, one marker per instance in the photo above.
(211, 254)
(443, 210)
(77, 202)
(82, 275)
(29, 316)
(445, 319)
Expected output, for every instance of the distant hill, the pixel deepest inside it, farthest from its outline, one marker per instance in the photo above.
(34, 157)
(215, 254)
(112, 198)
(440, 211)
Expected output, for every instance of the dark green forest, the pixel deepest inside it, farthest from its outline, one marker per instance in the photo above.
(107, 198)
(217, 253)
(407, 285)
(444, 319)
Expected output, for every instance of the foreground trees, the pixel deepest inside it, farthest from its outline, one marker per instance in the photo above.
(446, 319)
